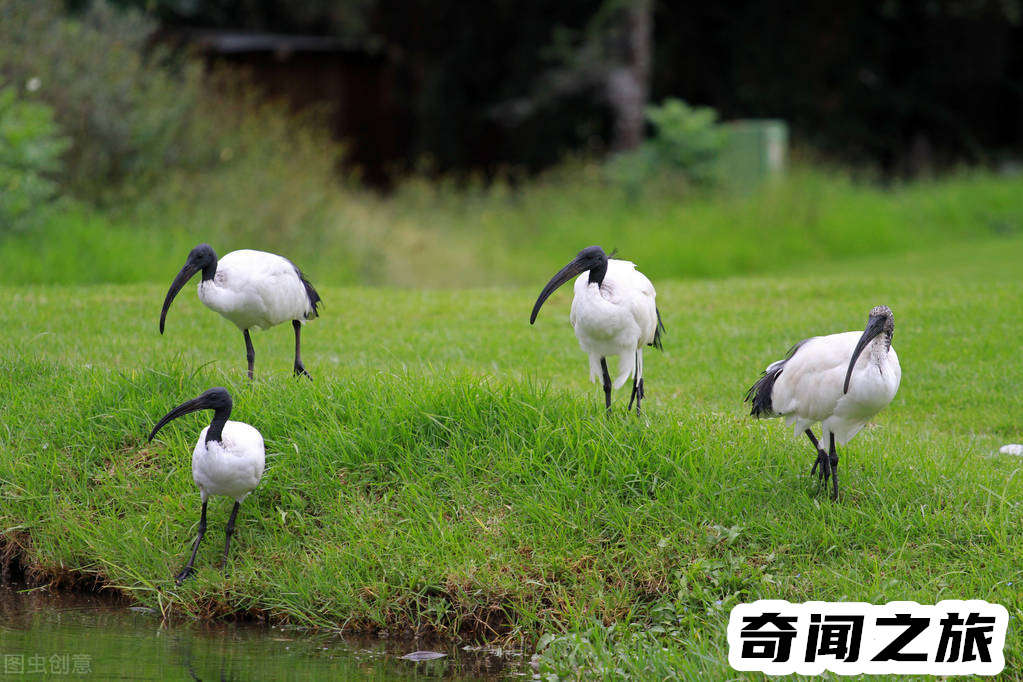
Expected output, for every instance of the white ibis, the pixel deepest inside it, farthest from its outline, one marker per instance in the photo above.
(251, 289)
(613, 313)
(228, 460)
(828, 379)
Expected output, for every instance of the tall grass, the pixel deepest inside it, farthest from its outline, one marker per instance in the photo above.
(438, 235)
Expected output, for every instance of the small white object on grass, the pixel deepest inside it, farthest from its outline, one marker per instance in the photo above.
(1011, 449)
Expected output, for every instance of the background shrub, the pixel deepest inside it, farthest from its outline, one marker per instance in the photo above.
(686, 142)
(125, 109)
(30, 149)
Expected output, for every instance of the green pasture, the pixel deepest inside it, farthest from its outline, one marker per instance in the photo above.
(450, 471)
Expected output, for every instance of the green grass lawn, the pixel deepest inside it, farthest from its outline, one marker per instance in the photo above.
(451, 470)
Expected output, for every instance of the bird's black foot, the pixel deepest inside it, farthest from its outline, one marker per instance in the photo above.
(185, 574)
(300, 371)
(821, 468)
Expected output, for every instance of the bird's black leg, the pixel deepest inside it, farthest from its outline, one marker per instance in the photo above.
(635, 392)
(834, 469)
(821, 461)
(229, 531)
(250, 352)
(187, 570)
(607, 384)
(813, 439)
(299, 367)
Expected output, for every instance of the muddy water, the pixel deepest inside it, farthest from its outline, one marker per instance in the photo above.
(44, 636)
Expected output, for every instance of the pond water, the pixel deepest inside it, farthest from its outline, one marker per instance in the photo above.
(45, 636)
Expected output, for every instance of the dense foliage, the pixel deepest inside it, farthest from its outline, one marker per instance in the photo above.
(685, 141)
(513, 83)
(125, 111)
(899, 83)
(141, 126)
(30, 149)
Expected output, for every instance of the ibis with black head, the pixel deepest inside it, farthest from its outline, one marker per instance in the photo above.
(228, 459)
(614, 312)
(251, 289)
(840, 380)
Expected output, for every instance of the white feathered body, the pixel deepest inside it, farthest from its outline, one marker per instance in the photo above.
(809, 388)
(256, 289)
(231, 466)
(618, 317)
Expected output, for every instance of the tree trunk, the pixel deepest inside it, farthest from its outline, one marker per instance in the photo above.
(628, 85)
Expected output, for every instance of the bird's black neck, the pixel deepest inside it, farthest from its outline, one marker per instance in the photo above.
(216, 430)
(209, 271)
(597, 273)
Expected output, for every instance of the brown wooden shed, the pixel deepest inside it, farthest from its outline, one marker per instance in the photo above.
(359, 86)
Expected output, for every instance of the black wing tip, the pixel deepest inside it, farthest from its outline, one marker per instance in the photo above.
(659, 331)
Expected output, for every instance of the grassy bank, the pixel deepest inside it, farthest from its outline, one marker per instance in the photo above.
(438, 236)
(450, 469)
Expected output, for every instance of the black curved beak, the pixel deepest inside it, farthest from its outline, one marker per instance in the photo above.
(194, 405)
(875, 325)
(179, 281)
(574, 268)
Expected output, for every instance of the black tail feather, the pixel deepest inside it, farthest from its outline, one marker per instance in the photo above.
(760, 392)
(659, 331)
(314, 298)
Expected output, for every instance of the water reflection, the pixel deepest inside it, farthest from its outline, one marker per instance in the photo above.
(81, 636)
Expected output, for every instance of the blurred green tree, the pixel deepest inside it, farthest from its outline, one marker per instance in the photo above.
(125, 106)
(30, 148)
(686, 143)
